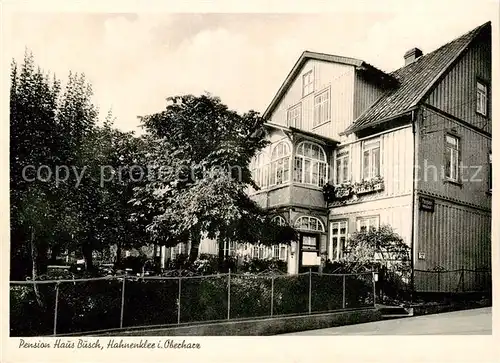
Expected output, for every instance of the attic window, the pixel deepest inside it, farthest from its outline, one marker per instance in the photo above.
(307, 83)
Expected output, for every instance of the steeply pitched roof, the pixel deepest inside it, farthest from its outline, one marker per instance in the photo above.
(306, 55)
(415, 80)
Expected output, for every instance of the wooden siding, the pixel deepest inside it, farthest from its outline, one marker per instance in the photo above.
(474, 155)
(340, 79)
(365, 94)
(456, 93)
(395, 212)
(396, 163)
(452, 237)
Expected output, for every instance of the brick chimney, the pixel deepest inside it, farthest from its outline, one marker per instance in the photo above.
(412, 55)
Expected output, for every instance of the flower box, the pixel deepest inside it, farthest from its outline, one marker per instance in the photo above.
(369, 186)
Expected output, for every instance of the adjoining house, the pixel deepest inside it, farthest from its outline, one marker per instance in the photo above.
(410, 148)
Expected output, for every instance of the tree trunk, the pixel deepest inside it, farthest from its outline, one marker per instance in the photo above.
(118, 258)
(87, 256)
(195, 244)
(34, 270)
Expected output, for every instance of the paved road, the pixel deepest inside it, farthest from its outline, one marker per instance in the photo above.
(474, 321)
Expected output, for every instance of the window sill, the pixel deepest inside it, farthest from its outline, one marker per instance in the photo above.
(453, 182)
(321, 124)
(481, 114)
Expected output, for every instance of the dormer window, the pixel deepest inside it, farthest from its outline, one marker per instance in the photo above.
(307, 83)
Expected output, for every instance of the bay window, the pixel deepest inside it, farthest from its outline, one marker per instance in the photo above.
(258, 170)
(280, 164)
(310, 165)
(371, 159)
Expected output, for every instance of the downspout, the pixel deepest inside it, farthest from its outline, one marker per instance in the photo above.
(412, 247)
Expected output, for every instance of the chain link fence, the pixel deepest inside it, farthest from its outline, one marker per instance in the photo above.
(89, 305)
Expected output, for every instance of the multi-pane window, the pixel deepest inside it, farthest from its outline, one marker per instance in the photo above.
(229, 248)
(342, 166)
(310, 165)
(321, 108)
(280, 251)
(452, 157)
(258, 170)
(338, 238)
(294, 116)
(280, 164)
(371, 159)
(364, 224)
(307, 223)
(307, 83)
(482, 98)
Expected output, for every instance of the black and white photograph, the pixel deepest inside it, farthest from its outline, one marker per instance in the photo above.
(178, 175)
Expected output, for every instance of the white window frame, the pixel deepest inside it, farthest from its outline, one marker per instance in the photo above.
(371, 145)
(322, 108)
(373, 221)
(341, 155)
(481, 98)
(452, 151)
(307, 83)
(280, 163)
(229, 248)
(294, 116)
(316, 165)
(339, 223)
(298, 224)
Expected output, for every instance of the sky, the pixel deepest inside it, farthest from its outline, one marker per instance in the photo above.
(135, 60)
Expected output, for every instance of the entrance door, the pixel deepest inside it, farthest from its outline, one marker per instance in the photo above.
(309, 252)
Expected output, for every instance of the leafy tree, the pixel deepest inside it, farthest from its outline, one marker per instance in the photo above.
(198, 175)
(52, 129)
(381, 246)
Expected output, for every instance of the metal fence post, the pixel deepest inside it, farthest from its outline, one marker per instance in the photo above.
(123, 302)
(229, 295)
(55, 308)
(272, 295)
(343, 291)
(374, 289)
(179, 302)
(310, 290)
